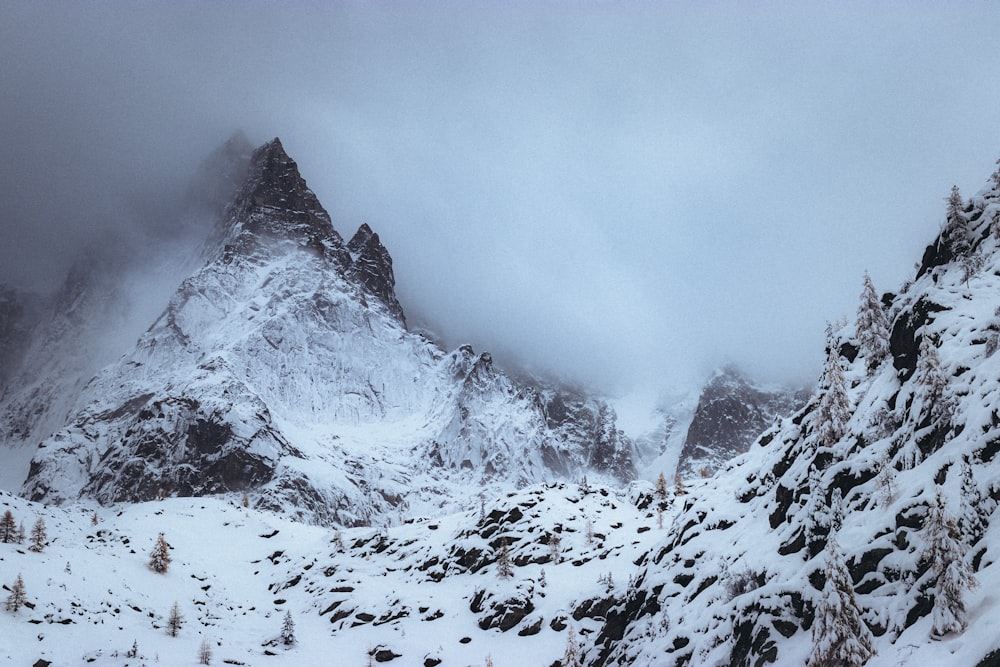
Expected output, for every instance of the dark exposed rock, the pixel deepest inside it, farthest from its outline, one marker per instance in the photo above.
(371, 267)
(731, 413)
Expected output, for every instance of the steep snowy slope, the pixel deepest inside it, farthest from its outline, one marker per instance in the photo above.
(852, 526)
(283, 367)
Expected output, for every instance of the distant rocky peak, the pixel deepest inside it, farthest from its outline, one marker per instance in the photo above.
(276, 204)
(371, 267)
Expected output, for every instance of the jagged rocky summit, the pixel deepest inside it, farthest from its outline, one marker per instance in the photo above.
(283, 368)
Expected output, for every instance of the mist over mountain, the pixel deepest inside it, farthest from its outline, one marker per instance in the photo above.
(679, 187)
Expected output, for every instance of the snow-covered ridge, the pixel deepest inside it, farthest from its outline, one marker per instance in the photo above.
(849, 532)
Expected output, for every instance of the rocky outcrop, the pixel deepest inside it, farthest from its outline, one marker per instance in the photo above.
(371, 267)
(732, 412)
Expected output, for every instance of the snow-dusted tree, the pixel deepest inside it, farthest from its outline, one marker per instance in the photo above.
(38, 536)
(872, 329)
(504, 569)
(589, 531)
(834, 405)
(571, 656)
(134, 651)
(555, 547)
(94, 518)
(19, 536)
(489, 661)
(338, 541)
(822, 518)
(679, 488)
(159, 559)
(956, 228)
(661, 487)
(8, 527)
(931, 376)
(205, 652)
(885, 480)
(972, 518)
(175, 620)
(950, 573)
(17, 597)
(288, 629)
(840, 636)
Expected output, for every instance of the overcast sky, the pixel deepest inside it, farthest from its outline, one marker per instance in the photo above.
(624, 193)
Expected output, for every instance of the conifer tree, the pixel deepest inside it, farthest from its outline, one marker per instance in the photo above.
(950, 573)
(8, 527)
(175, 620)
(971, 521)
(886, 481)
(931, 376)
(679, 488)
(555, 546)
(288, 630)
(956, 229)
(17, 598)
(504, 570)
(872, 329)
(38, 536)
(661, 487)
(840, 636)
(571, 656)
(834, 405)
(205, 652)
(159, 559)
(19, 536)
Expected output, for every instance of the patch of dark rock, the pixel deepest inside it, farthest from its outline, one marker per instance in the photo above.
(531, 628)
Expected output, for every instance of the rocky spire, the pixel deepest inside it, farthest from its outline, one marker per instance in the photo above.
(275, 203)
(371, 267)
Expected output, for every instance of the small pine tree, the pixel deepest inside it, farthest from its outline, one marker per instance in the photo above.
(589, 531)
(661, 487)
(872, 329)
(245, 500)
(840, 636)
(489, 661)
(175, 620)
(19, 537)
(134, 651)
(288, 629)
(834, 405)
(8, 527)
(159, 559)
(571, 656)
(94, 518)
(679, 488)
(17, 597)
(931, 376)
(205, 652)
(504, 569)
(956, 229)
(555, 547)
(951, 574)
(972, 520)
(886, 482)
(38, 536)
(659, 518)
(338, 541)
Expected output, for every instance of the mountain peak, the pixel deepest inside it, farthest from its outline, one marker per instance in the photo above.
(276, 203)
(371, 267)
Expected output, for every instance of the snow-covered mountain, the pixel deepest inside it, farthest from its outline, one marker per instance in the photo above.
(283, 368)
